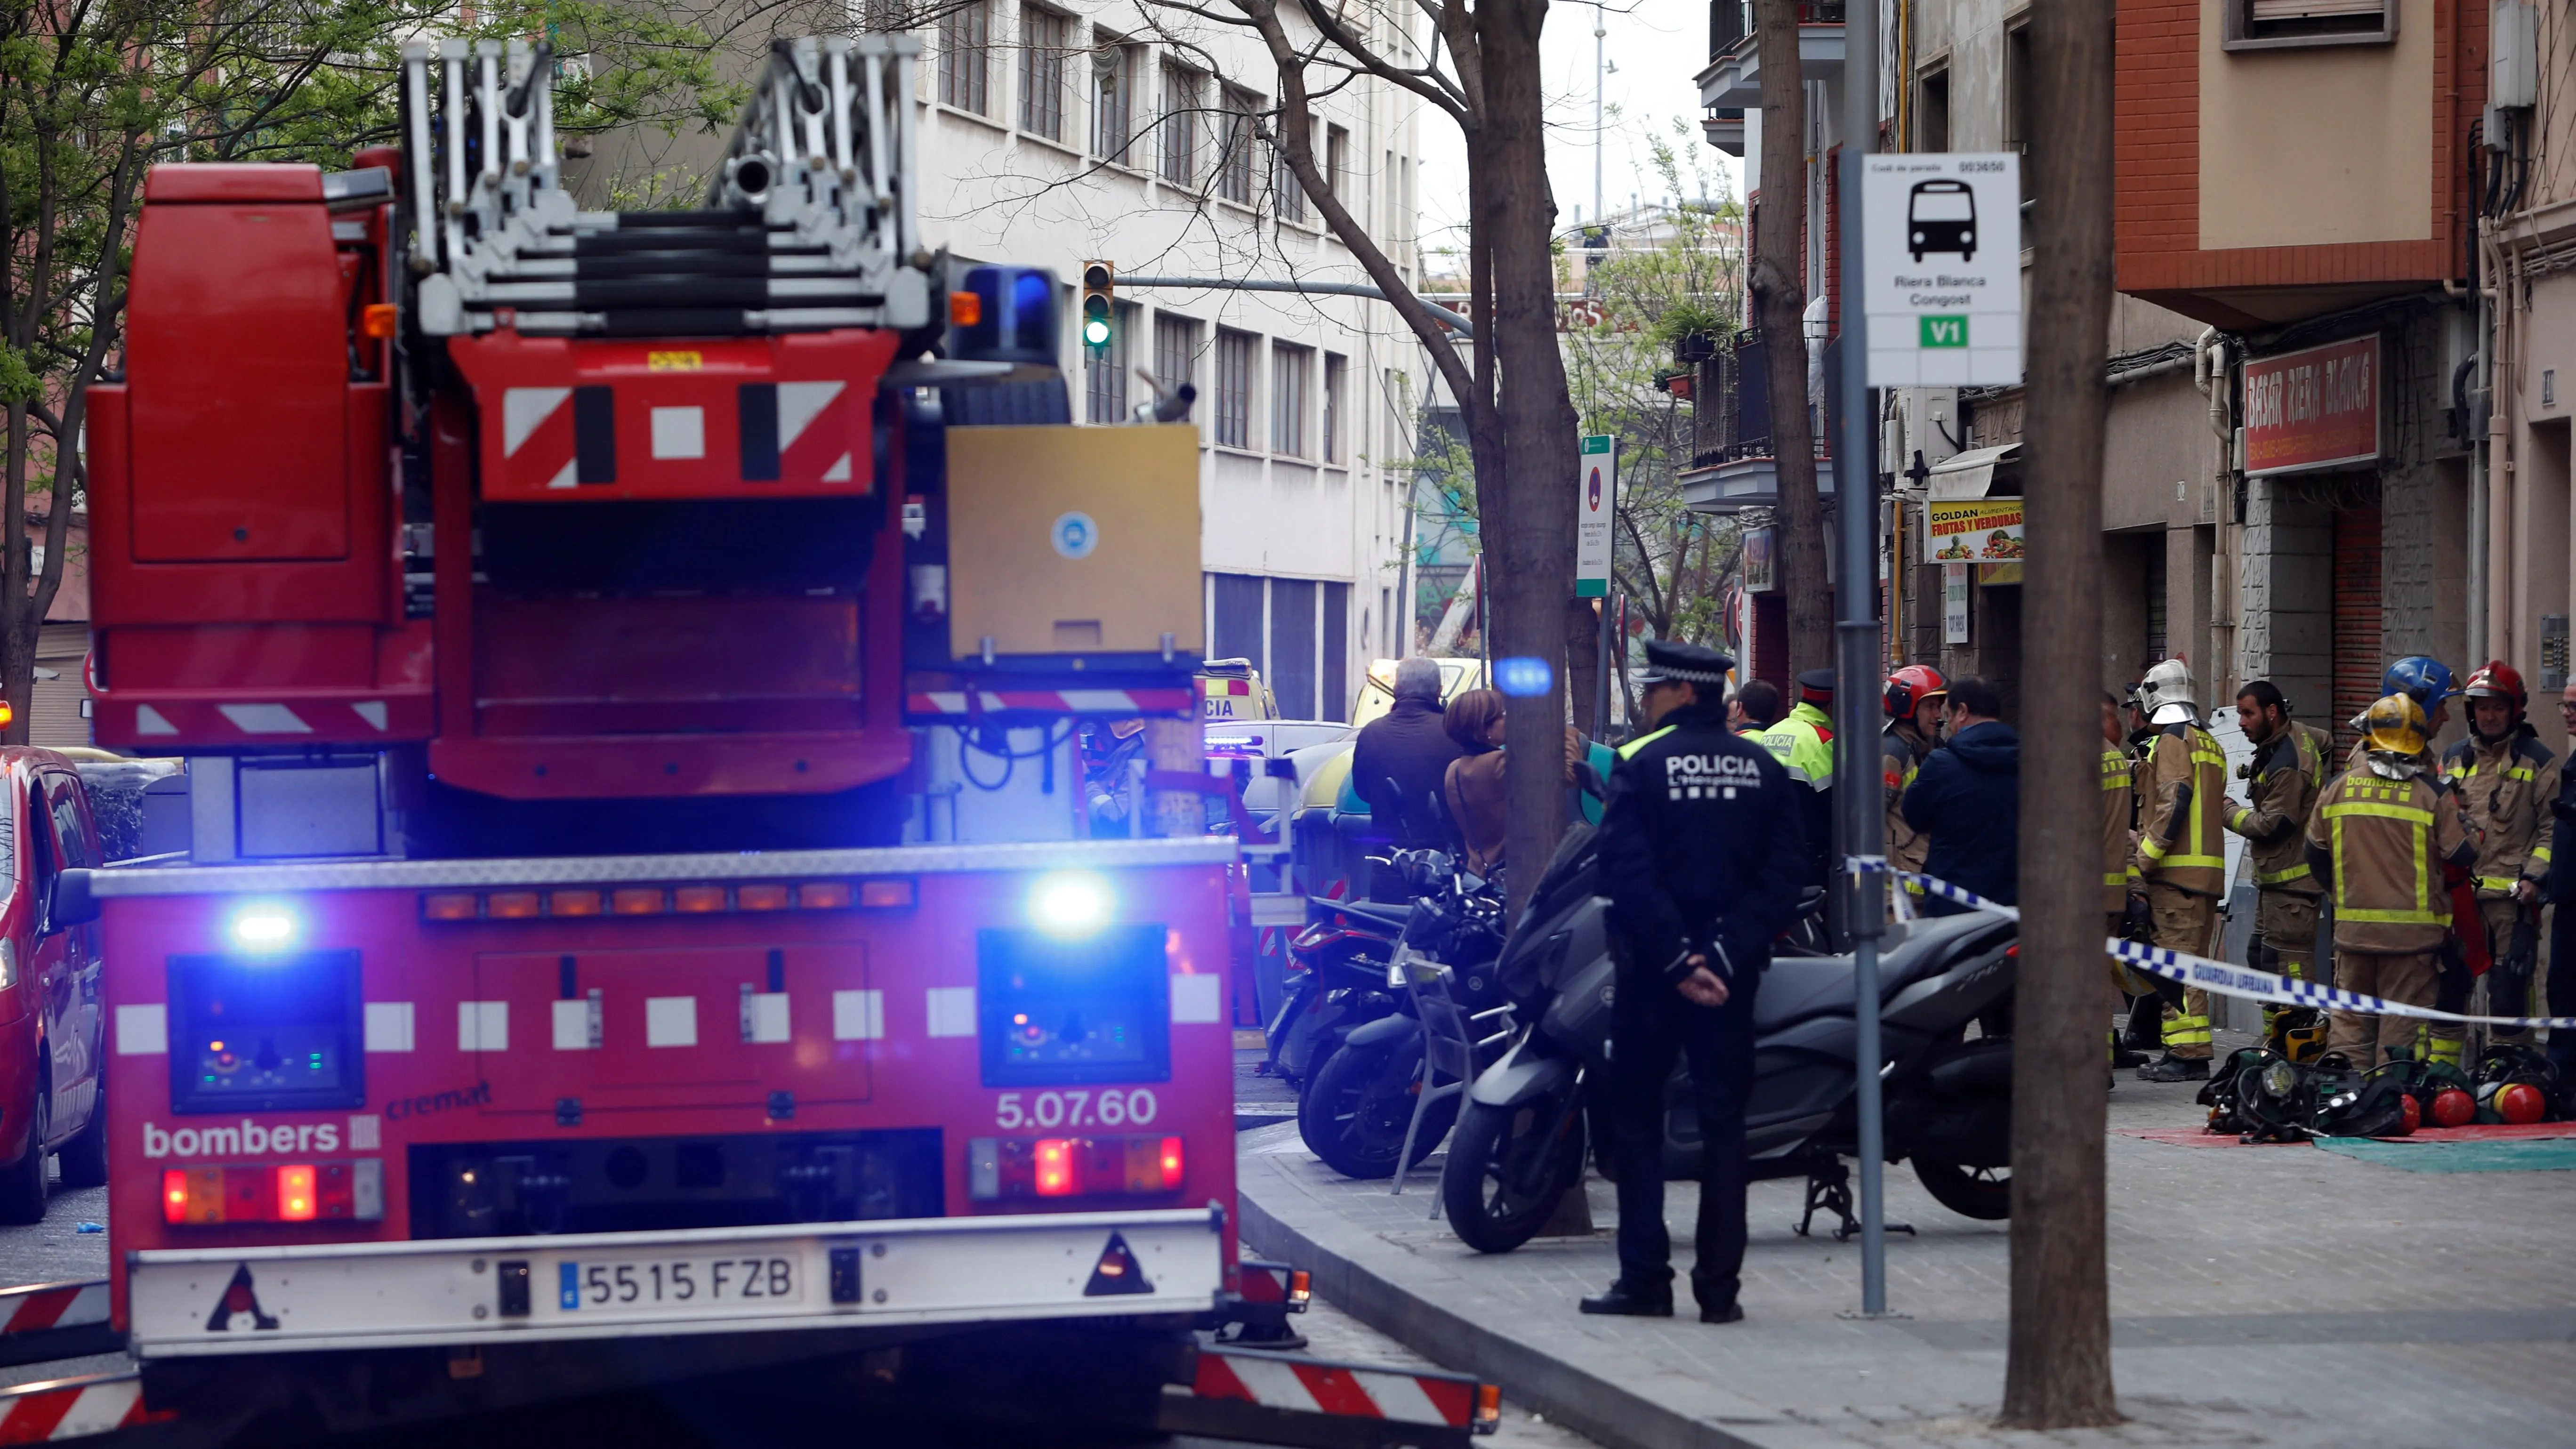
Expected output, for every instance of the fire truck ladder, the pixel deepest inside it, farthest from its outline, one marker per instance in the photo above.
(808, 224)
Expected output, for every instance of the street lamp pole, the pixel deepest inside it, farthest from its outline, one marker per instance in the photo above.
(1856, 785)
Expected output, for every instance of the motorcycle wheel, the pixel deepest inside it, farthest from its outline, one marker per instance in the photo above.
(1354, 1113)
(1984, 1193)
(1507, 1171)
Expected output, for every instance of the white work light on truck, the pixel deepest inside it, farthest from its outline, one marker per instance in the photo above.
(1070, 905)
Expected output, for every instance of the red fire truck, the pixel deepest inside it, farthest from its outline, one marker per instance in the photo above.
(638, 923)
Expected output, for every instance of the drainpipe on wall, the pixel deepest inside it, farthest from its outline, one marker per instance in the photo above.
(2209, 374)
(2499, 481)
(2481, 365)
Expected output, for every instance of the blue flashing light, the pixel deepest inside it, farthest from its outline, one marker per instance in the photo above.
(1523, 678)
(265, 926)
(1070, 905)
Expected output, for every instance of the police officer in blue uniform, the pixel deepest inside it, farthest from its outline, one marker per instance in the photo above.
(1704, 847)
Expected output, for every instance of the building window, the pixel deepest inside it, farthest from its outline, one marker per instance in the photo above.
(2269, 24)
(1288, 399)
(1932, 114)
(965, 48)
(1234, 163)
(1233, 388)
(1285, 185)
(1337, 162)
(1113, 111)
(1337, 652)
(1292, 647)
(1104, 371)
(1182, 90)
(1176, 349)
(1235, 632)
(1337, 371)
(1044, 38)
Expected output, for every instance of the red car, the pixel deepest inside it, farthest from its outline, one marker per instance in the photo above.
(51, 1102)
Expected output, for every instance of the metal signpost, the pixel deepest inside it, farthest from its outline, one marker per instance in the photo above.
(1856, 786)
(1596, 512)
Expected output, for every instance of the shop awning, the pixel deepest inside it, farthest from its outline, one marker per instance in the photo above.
(1971, 474)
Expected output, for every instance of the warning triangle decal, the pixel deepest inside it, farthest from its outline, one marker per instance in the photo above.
(1116, 1272)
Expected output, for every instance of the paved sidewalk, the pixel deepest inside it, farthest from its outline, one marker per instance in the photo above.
(2260, 1295)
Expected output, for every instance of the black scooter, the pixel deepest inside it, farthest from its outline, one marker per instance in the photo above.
(1520, 1141)
(1336, 980)
(1356, 1111)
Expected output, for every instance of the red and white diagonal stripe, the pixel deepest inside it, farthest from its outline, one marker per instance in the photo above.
(1119, 702)
(53, 1305)
(72, 1409)
(1306, 1386)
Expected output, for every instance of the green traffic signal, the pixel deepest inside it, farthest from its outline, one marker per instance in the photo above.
(1099, 324)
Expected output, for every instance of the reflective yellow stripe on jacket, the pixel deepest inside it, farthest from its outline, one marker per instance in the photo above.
(2420, 829)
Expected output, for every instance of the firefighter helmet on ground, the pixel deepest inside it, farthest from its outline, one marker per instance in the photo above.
(2394, 724)
(2167, 694)
(1910, 687)
(2496, 679)
(2421, 678)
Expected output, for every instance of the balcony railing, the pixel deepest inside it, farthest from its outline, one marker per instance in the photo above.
(1731, 416)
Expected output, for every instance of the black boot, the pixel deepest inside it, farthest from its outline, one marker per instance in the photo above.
(1728, 1312)
(2171, 1068)
(1628, 1300)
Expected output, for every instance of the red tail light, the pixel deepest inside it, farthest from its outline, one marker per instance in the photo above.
(299, 1192)
(1133, 1165)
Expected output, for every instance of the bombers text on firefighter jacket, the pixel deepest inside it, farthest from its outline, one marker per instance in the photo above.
(2287, 774)
(2182, 792)
(2505, 789)
(1703, 844)
(2379, 838)
(2119, 804)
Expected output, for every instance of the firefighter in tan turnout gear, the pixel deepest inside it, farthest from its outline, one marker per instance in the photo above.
(2181, 855)
(2504, 778)
(2283, 780)
(2379, 838)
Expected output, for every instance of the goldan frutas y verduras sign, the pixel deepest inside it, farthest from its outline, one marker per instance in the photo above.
(1972, 530)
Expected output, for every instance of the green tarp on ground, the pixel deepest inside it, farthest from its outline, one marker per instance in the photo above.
(2542, 1155)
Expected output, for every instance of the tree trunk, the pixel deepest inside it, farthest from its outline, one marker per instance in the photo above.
(2058, 1375)
(1778, 280)
(1530, 548)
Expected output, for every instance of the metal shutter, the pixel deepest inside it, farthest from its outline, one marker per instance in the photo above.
(2357, 665)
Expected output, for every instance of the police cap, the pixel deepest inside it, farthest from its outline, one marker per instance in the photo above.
(1684, 664)
(1816, 684)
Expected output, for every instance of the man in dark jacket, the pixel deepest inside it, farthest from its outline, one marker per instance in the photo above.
(1966, 796)
(1402, 756)
(1703, 850)
(2559, 891)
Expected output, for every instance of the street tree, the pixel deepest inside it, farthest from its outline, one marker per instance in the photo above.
(2058, 1374)
(94, 93)
(1779, 291)
(1475, 63)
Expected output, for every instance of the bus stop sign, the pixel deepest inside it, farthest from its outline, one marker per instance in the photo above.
(1941, 247)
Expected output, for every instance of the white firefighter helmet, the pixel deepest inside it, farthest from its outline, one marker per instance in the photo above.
(2167, 695)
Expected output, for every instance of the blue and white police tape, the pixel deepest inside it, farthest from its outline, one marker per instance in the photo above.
(2223, 979)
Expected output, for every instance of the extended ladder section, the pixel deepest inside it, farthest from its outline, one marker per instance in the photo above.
(808, 224)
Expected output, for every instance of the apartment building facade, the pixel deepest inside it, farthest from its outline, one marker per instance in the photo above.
(1053, 134)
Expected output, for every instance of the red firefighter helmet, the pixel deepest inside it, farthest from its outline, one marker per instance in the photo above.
(1909, 687)
(2496, 679)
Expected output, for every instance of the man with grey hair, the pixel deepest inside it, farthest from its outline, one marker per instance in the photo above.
(1402, 756)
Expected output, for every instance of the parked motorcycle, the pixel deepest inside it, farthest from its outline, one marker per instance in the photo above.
(1520, 1141)
(1356, 1110)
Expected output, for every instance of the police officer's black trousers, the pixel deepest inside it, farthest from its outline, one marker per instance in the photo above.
(1650, 1022)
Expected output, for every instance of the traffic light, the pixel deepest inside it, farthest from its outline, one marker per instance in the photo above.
(1099, 305)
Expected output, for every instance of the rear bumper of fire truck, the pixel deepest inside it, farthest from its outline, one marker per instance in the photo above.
(932, 1273)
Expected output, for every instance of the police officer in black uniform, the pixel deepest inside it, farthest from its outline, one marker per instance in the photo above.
(1703, 844)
